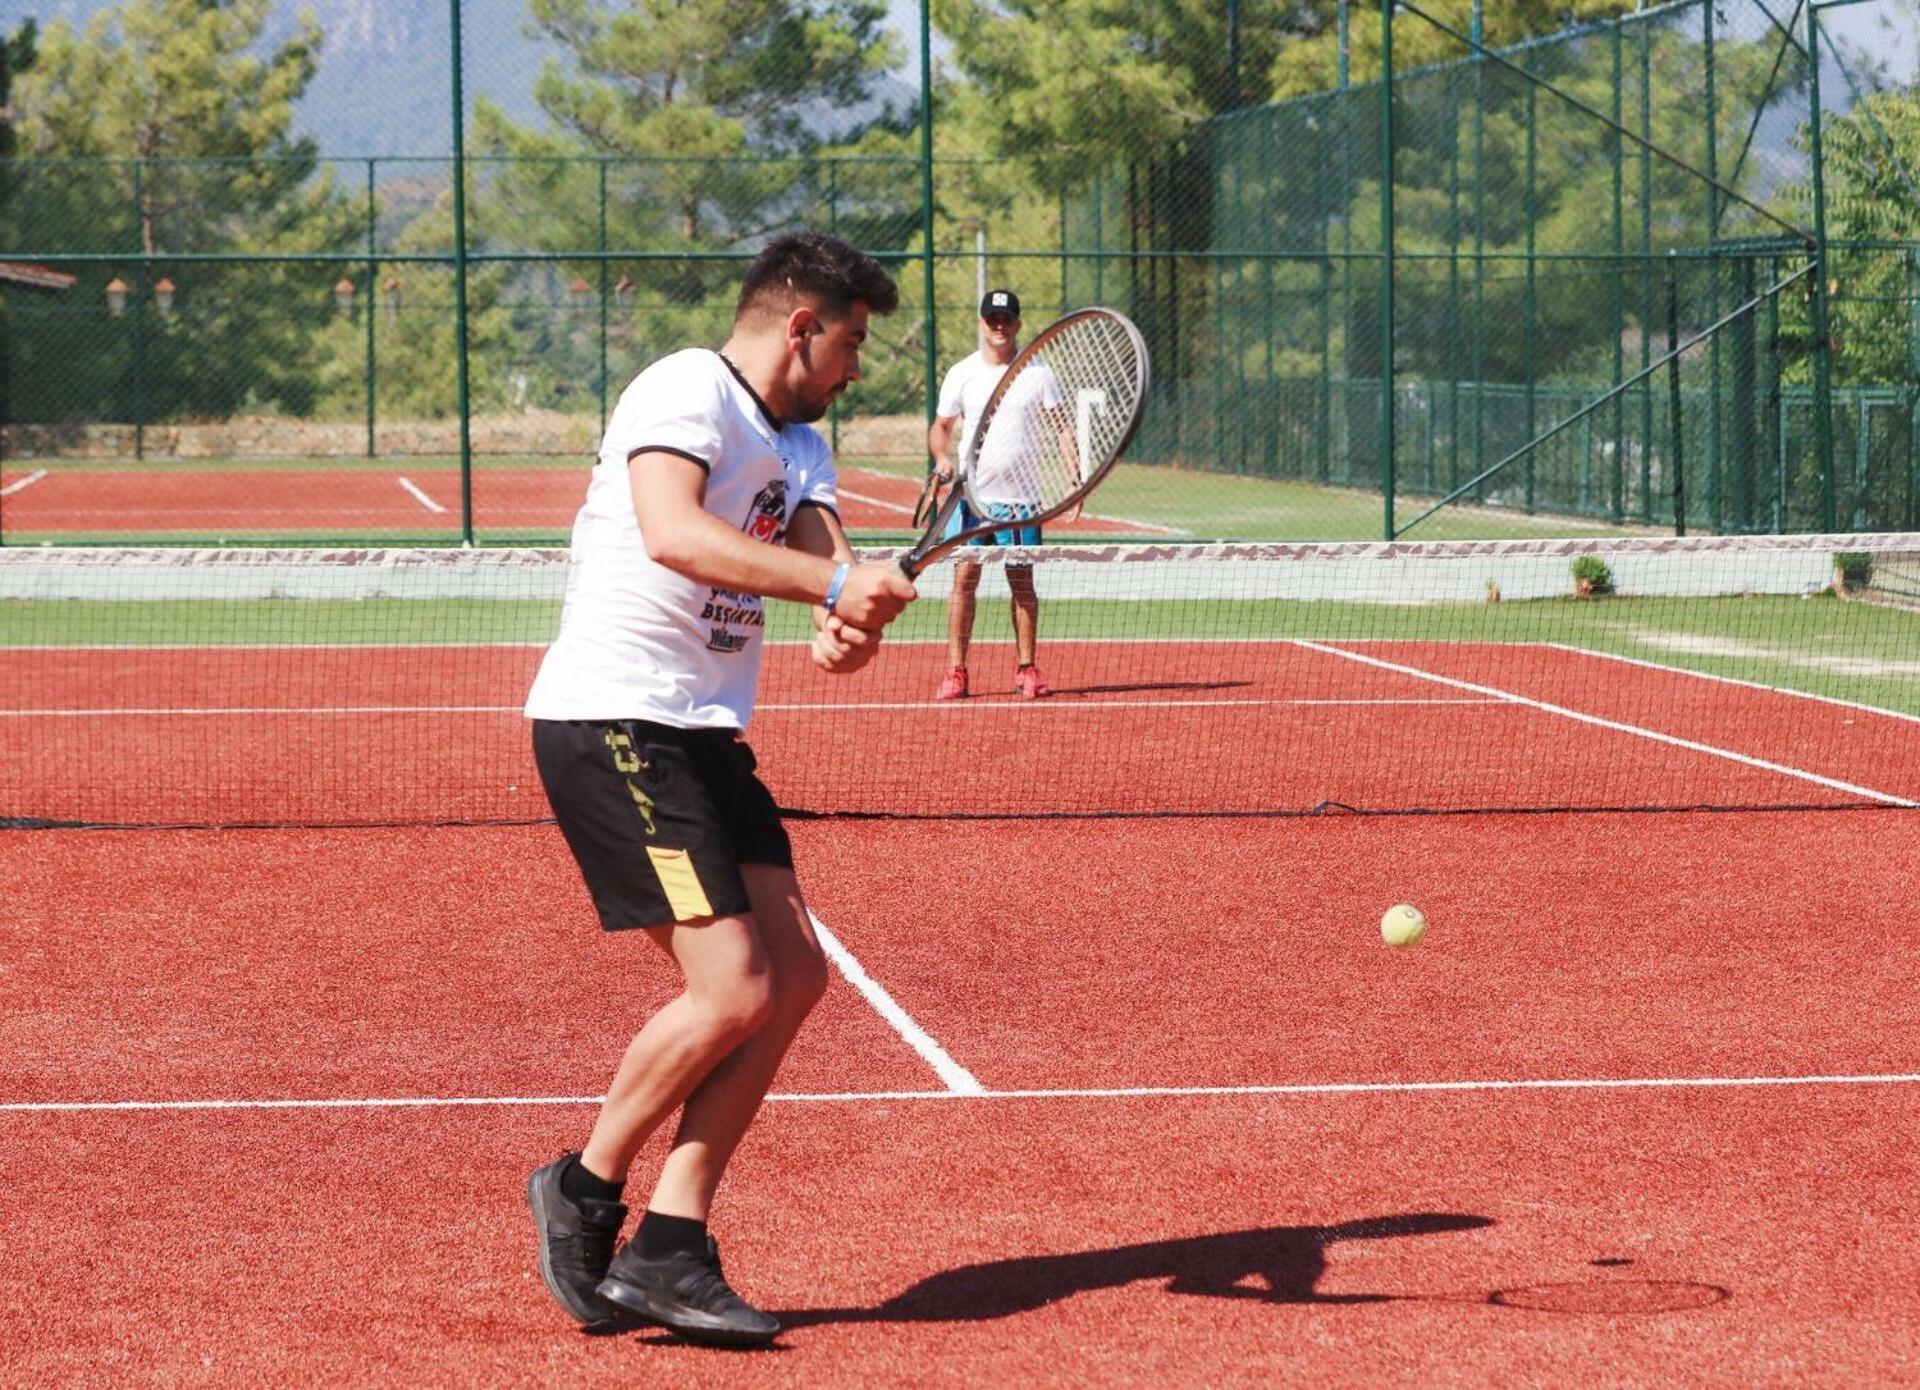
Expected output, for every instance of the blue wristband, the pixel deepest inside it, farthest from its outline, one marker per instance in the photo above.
(839, 581)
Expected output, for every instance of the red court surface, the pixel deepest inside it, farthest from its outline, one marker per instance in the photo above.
(405, 499)
(1494, 1159)
(345, 734)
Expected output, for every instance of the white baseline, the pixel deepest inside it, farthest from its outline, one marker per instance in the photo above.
(1327, 1088)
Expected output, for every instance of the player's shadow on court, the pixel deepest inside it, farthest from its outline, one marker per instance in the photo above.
(1278, 1264)
(1198, 686)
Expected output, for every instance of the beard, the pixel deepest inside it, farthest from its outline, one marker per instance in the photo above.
(804, 410)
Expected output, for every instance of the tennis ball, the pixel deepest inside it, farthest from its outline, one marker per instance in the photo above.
(1403, 925)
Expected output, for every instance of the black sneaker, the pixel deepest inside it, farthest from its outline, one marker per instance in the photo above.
(576, 1244)
(688, 1294)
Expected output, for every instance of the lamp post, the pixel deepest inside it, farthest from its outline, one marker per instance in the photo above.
(163, 290)
(343, 291)
(116, 297)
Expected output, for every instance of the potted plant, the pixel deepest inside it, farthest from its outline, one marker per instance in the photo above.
(1591, 576)
(1852, 569)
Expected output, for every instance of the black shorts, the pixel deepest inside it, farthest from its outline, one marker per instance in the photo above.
(660, 819)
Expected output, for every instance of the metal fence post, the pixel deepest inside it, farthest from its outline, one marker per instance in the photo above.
(1822, 332)
(1529, 349)
(1677, 413)
(1715, 517)
(603, 293)
(460, 286)
(932, 321)
(370, 299)
(1386, 266)
(1616, 483)
(140, 279)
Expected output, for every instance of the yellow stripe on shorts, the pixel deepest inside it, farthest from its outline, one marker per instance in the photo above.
(684, 894)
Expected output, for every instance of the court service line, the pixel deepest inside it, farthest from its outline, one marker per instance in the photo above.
(959, 1080)
(873, 501)
(882, 502)
(420, 496)
(1329, 1088)
(1863, 707)
(1006, 706)
(1636, 730)
(17, 484)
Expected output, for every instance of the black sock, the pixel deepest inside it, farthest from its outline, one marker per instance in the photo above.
(579, 1183)
(662, 1235)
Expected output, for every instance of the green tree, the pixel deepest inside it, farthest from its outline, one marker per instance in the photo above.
(164, 128)
(671, 125)
(1056, 82)
(1873, 195)
(16, 56)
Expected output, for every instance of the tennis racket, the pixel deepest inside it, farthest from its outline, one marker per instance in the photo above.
(929, 502)
(1064, 411)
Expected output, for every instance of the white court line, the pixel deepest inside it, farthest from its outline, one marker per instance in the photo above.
(1636, 730)
(1736, 680)
(1330, 1088)
(420, 496)
(260, 709)
(872, 501)
(946, 706)
(1222, 642)
(959, 1080)
(882, 502)
(299, 646)
(19, 483)
(1135, 521)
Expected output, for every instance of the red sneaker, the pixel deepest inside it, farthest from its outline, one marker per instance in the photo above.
(1027, 683)
(953, 686)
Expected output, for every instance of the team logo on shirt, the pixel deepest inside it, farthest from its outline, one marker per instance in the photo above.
(731, 612)
(767, 517)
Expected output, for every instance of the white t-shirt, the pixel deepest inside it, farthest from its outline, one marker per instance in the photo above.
(637, 640)
(1016, 424)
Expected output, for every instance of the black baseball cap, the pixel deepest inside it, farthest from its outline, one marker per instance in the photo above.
(999, 302)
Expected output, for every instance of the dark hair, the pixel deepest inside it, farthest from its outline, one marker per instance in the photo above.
(823, 271)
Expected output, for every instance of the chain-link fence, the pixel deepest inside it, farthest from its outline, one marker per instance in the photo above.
(1660, 270)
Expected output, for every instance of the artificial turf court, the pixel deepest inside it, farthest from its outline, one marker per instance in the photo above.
(1093, 1099)
(1628, 1127)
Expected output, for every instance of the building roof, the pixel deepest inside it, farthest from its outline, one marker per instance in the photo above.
(34, 276)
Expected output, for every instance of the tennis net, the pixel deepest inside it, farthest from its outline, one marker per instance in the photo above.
(377, 687)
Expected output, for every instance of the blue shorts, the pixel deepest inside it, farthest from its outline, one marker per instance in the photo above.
(965, 519)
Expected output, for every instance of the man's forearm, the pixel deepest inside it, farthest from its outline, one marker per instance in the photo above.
(696, 543)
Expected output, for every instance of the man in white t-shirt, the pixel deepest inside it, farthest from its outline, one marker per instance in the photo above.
(997, 480)
(711, 491)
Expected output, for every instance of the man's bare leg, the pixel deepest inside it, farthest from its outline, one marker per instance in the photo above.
(728, 995)
(966, 581)
(722, 1106)
(1026, 612)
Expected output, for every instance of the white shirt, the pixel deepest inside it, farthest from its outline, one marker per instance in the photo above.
(996, 475)
(637, 640)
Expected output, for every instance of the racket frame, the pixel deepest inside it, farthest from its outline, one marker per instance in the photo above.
(931, 546)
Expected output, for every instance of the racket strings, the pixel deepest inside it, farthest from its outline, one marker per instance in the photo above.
(1055, 452)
